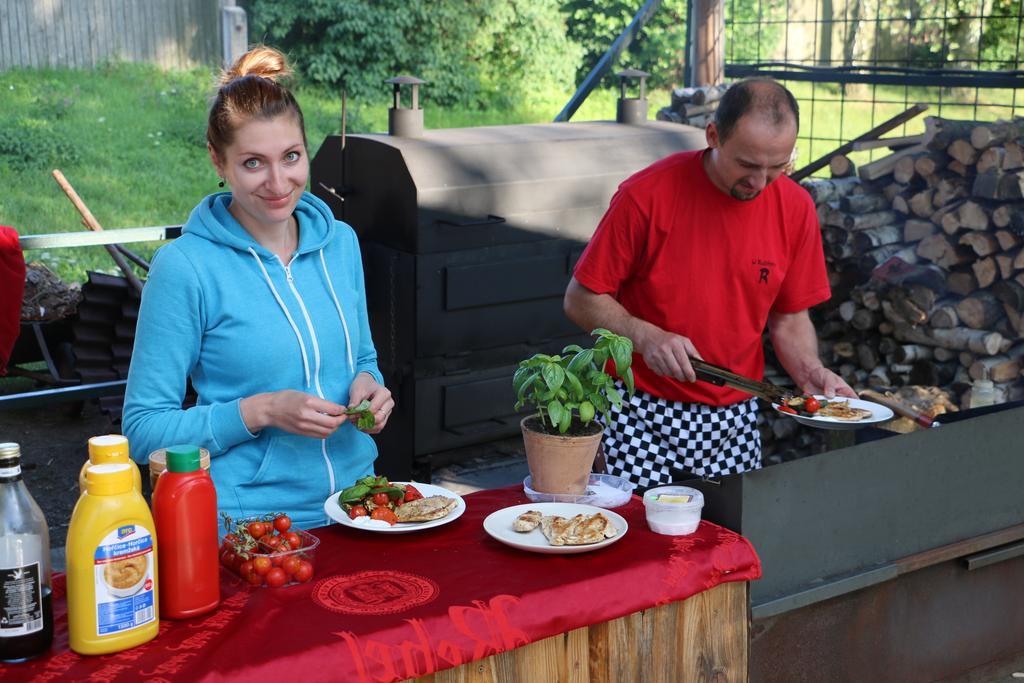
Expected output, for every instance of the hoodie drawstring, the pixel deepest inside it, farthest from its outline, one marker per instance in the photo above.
(337, 305)
(277, 297)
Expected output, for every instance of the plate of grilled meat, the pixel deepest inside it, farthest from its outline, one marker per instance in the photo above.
(556, 528)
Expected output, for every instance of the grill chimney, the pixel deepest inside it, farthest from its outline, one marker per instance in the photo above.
(405, 123)
(630, 109)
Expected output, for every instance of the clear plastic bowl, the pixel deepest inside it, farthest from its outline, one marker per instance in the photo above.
(603, 490)
(673, 510)
(306, 553)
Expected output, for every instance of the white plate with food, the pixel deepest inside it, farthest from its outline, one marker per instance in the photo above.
(438, 506)
(556, 528)
(837, 413)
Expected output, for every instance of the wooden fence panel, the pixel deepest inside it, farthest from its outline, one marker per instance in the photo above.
(86, 33)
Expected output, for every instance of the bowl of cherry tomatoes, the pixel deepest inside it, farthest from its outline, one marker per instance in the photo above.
(266, 550)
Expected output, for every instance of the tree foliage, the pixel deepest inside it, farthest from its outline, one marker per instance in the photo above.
(472, 52)
(659, 49)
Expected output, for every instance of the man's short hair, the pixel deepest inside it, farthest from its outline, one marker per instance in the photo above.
(766, 96)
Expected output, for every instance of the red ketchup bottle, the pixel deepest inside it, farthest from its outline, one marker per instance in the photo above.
(185, 514)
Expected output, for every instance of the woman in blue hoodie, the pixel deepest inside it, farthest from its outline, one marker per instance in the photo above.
(261, 304)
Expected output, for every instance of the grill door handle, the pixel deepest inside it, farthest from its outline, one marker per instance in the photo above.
(993, 555)
(473, 222)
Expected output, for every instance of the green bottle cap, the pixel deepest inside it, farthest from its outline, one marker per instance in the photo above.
(182, 458)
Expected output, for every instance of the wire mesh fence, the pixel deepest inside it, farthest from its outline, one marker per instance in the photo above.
(855, 63)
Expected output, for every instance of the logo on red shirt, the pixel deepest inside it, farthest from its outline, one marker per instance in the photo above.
(763, 271)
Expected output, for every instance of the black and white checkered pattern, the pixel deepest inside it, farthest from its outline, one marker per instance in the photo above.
(652, 441)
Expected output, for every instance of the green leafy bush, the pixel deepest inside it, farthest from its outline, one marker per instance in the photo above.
(574, 386)
(31, 144)
(473, 53)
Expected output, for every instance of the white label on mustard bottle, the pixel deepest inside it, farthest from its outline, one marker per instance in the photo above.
(124, 580)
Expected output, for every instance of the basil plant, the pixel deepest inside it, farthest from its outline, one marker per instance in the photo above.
(573, 386)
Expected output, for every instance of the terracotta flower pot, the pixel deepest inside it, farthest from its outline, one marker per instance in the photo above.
(560, 464)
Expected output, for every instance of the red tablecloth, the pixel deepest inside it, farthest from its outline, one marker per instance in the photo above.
(388, 607)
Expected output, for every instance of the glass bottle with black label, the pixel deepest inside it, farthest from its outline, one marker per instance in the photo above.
(26, 609)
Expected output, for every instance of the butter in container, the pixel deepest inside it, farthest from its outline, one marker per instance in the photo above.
(673, 510)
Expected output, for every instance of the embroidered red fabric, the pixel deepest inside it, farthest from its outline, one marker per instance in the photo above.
(12, 287)
(384, 608)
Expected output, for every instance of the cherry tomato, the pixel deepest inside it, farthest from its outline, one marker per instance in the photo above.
(357, 511)
(786, 409)
(411, 493)
(271, 541)
(276, 577)
(255, 579)
(256, 529)
(261, 564)
(290, 565)
(230, 540)
(381, 499)
(282, 523)
(304, 573)
(245, 569)
(293, 539)
(386, 514)
(227, 558)
(811, 404)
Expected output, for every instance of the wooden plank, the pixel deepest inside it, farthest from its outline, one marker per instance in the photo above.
(19, 31)
(99, 44)
(159, 26)
(710, 641)
(92, 22)
(60, 37)
(180, 53)
(624, 637)
(74, 33)
(121, 31)
(8, 48)
(597, 657)
(577, 656)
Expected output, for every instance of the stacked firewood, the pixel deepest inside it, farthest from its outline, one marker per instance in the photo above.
(925, 248)
(692, 106)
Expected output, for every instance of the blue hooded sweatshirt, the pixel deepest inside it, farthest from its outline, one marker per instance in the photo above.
(226, 312)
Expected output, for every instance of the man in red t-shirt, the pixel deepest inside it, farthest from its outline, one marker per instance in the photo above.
(695, 256)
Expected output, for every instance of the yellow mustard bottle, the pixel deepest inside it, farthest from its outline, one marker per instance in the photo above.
(111, 565)
(109, 448)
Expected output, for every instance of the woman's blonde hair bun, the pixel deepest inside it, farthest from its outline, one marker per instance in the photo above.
(262, 61)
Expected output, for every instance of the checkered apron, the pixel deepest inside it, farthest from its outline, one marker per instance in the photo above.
(652, 441)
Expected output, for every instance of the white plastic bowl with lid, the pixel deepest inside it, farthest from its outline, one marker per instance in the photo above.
(673, 510)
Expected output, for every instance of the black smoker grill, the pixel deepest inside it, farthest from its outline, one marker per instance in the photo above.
(896, 559)
(469, 237)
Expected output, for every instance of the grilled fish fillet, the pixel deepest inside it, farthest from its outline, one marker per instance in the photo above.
(528, 521)
(580, 530)
(425, 509)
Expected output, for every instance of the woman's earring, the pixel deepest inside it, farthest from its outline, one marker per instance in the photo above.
(221, 183)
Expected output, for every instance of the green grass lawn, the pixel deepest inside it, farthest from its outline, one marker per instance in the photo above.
(130, 139)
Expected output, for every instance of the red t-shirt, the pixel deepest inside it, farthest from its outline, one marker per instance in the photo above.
(678, 252)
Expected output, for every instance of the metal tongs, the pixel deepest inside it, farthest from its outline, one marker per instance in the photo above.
(775, 394)
(722, 377)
